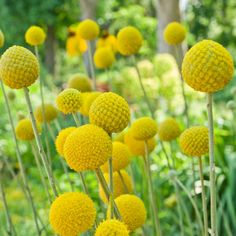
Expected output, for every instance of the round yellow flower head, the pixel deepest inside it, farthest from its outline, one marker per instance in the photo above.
(144, 128)
(207, 67)
(72, 213)
(24, 129)
(87, 100)
(2, 39)
(137, 147)
(112, 227)
(61, 139)
(19, 67)
(194, 141)
(50, 113)
(108, 41)
(87, 148)
(118, 185)
(69, 101)
(129, 40)
(111, 112)
(35, 36)
(103, 57)
(88, 29)
(132, 211)
(168, 130)
(120, 157)
(174, 33)
(80, 82)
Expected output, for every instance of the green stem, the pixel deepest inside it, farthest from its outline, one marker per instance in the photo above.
(212, 165)
(166, 155)
(91, 65)
(20, 161)
(152, 195)
(111, 186)
(57, 124)
(76, 119)
(204, 204)
(123, 181)
(39, 144)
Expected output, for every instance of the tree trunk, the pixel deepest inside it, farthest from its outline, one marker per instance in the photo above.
(50, 50)
(167, 11)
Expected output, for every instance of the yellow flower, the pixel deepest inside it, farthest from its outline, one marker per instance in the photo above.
(87, 148)
(72, 214)
(118, 185)
(35, 36)
(19, 67)
(137, 147)
(144, 128)
(108, 41)
(103, 57)
(80, 82)
(132, 211)
(50, 113)
(61, 139)
(120, 157)
(110, 111)
(129, 40)
(207, 67)
(168, 130)
(112, 227)
(2, 39)
(88, 29)
(87, 101)
(69, 101)
(194, 141)
(24, 129)
(174, 33)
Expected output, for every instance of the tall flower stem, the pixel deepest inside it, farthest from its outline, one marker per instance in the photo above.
(41, 174)
(204, 204)
(212, 164)
(106, 190)
(91, 65)
(20, 161)
(39, 145)
(111, 186)
(123, 181)
(147, 100)
(152, 194)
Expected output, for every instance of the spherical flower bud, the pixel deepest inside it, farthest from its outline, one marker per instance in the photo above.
(50, 113)
(2, 39)
(118, 185)
(132, 210)
(24, 130)
(112, 227)
(103, 57)
(35, 36)
(168, 130)
(129, 40)
(174, 33)
(69, 101)
(19, 67)
(194, 141)
(137, 147)
(120, 157)
(87, 148)
(80, 82)
(207, 67)
(87, 100)
(144, 128)
(88, 29)
(72, 214)
(111, 112)
(61, 139)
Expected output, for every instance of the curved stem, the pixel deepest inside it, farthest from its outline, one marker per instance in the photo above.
(212, 165)
(204, 204)
(152, 195)
(91, 65)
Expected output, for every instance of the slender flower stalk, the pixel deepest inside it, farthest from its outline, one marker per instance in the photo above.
(212, 164)
(111, 186)
(39, 145)
(204, 204)
(20, 161)
(152, 194)
(91, 65)
(123, 181)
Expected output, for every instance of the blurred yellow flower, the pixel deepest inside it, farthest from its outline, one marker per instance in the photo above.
(88, 29)
(2, 39)
(35, 35)
(108, 41)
